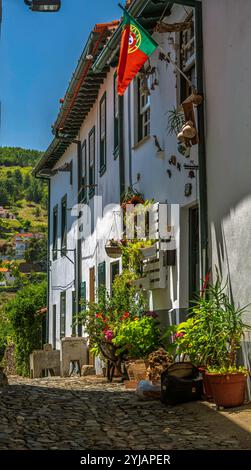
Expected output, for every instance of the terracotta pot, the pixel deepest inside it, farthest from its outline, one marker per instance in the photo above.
(206, 385)
(228, 389)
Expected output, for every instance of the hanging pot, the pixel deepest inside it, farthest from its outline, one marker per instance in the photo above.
(113, 251)
(189, 130)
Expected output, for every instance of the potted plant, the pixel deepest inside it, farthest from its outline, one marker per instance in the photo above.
(212, 335)
(102, 317)
(228, 384)
(113, 249)
(131, 196)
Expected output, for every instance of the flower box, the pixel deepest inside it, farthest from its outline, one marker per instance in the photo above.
(150, 252)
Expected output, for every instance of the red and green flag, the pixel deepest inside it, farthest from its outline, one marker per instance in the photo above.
(136, 46)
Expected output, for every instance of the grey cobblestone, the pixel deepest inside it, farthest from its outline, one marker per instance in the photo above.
(89, 413)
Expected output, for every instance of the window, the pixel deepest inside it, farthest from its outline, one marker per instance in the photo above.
(114, 271)
(102, 274)
(116, 117)
(84, 174)
(143, 108)
(64, 225)
(92, 162)
(102, 130)
(62, 314)
(187, 60)
(55, 233)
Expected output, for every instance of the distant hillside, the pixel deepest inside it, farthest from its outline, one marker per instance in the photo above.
(16, 156)
(21, 194)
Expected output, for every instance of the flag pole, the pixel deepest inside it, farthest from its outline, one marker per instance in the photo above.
(166, 55)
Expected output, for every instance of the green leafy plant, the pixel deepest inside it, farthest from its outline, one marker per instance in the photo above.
(25, 322)
(137, 338)
(228, 370)
(102, 317)
(176, 120)
(213, 332)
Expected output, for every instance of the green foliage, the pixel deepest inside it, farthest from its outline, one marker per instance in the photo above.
(213, 332)
(16, 156)
(175, 122)
(101, 318)
(228, 370)
(36, 252)
(138, 337)
(26, 323)
(19, 188)
(5, 331)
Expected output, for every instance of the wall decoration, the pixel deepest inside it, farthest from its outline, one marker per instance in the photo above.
(188, 189)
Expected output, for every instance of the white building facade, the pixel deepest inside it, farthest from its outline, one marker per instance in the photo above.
(125, 142)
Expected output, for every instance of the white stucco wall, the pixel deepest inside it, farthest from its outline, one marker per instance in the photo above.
(227, 63)
(154, 183)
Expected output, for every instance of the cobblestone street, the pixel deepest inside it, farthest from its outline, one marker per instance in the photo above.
(88, 413)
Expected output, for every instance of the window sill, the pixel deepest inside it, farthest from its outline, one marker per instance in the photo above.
(141, 142)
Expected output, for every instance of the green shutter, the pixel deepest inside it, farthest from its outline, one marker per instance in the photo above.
(101, 275)
(83, 295)
(74, 313)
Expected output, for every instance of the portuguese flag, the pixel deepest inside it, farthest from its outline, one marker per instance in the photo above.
(136, 46)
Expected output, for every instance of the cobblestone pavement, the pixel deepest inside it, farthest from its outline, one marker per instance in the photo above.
(89, 413)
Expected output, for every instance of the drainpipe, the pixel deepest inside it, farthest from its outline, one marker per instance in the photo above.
(129, 136)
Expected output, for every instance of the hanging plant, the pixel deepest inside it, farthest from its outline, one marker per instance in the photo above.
(176, 121)
(131, 196)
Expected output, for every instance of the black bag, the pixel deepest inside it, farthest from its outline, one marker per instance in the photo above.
(183, 370)
(180, 384)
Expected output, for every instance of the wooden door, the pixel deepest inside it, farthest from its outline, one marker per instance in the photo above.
(92, 285)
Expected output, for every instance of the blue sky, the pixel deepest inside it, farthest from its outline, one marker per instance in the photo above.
(38, 54)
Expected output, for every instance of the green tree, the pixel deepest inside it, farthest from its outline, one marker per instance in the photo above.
(18, 177)
(4, 196)
(36, 253)
(26, 323)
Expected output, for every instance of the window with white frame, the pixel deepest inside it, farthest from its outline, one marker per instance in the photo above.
(144, 113)
(187, 59)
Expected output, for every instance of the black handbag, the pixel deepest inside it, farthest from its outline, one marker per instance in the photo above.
(181, 384)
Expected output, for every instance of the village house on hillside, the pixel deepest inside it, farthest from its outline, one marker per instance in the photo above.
(104, 144)
(21, 243)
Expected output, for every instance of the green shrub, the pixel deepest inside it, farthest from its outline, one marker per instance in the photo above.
(26, 323)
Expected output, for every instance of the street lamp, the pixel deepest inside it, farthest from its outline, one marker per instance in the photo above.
(47, 6)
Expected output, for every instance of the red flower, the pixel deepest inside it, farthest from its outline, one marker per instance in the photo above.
(179, 335)
(206, 281)
(98, 315)
(125, 316)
